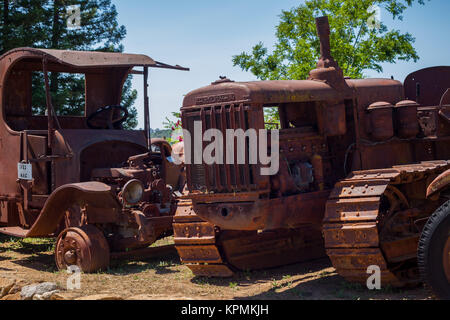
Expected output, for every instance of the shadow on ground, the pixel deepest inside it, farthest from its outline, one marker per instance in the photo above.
(26, 246)
(314, 280)
(334, 287)
(45, 262)
(6, 269)
(39, 262)
(36, 254)
(248, 278)
(331, 286)
(161, 265)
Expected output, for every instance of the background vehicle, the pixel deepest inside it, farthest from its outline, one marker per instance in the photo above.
(98, 188)
(356, 159)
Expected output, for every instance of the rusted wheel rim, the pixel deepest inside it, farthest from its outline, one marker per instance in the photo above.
(85, 247)
(446, 259)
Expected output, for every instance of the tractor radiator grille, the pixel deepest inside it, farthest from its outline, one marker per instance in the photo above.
(221, 178)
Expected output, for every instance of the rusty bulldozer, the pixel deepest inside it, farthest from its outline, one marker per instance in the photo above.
(356, 157)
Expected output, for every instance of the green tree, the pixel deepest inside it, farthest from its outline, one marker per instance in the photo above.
(356, 44)
(43, 24)
(23, 23)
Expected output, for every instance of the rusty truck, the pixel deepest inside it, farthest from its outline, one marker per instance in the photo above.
(100, 190)
(356, 157)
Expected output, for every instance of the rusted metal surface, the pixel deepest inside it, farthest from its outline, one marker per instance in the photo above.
(406, 119)
(85, 247)
(276, 91)
(381, 125)
(195, 241)
(95, 59)
(81, 171)
(253, 251)
(91, 193)
(210, 252)
(375, 225)
(440, 183)
(297, 210)
(327, 69)
(352, 149)
(427, 86)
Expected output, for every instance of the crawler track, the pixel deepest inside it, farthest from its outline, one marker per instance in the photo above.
(213, 253)
(372, 219)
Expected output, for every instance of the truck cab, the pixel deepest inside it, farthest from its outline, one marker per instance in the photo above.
(67, 168)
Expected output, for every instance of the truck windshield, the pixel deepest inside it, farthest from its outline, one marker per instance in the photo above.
(67, 92)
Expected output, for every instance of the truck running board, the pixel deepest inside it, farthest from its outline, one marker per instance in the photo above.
(14, 232)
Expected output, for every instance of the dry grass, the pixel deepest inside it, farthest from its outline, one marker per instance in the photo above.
(165, 278)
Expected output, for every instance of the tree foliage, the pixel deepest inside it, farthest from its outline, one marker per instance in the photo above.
(175, 128)
(43, 24)
(356, 44)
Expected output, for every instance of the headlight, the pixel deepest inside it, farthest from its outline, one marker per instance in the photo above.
(132, 192)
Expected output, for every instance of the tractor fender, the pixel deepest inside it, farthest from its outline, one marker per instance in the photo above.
(96, 194)
(439, 184)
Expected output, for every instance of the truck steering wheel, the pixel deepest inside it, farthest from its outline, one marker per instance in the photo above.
(107, 121)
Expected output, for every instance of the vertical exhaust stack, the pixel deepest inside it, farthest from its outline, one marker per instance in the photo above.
(323, 31)
(327, 69)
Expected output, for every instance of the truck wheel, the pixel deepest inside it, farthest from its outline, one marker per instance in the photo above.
(85, 247)
(434, 252)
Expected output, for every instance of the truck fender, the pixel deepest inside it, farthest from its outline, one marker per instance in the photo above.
(439, 184)
(95, 194)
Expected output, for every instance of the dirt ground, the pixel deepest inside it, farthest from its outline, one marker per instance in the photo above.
(165, 278)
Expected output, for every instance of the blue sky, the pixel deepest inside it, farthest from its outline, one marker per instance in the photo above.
(204, 35)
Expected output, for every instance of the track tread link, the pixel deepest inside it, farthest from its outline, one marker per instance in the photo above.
(195, 241)
(352, 216)
(212, 253)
